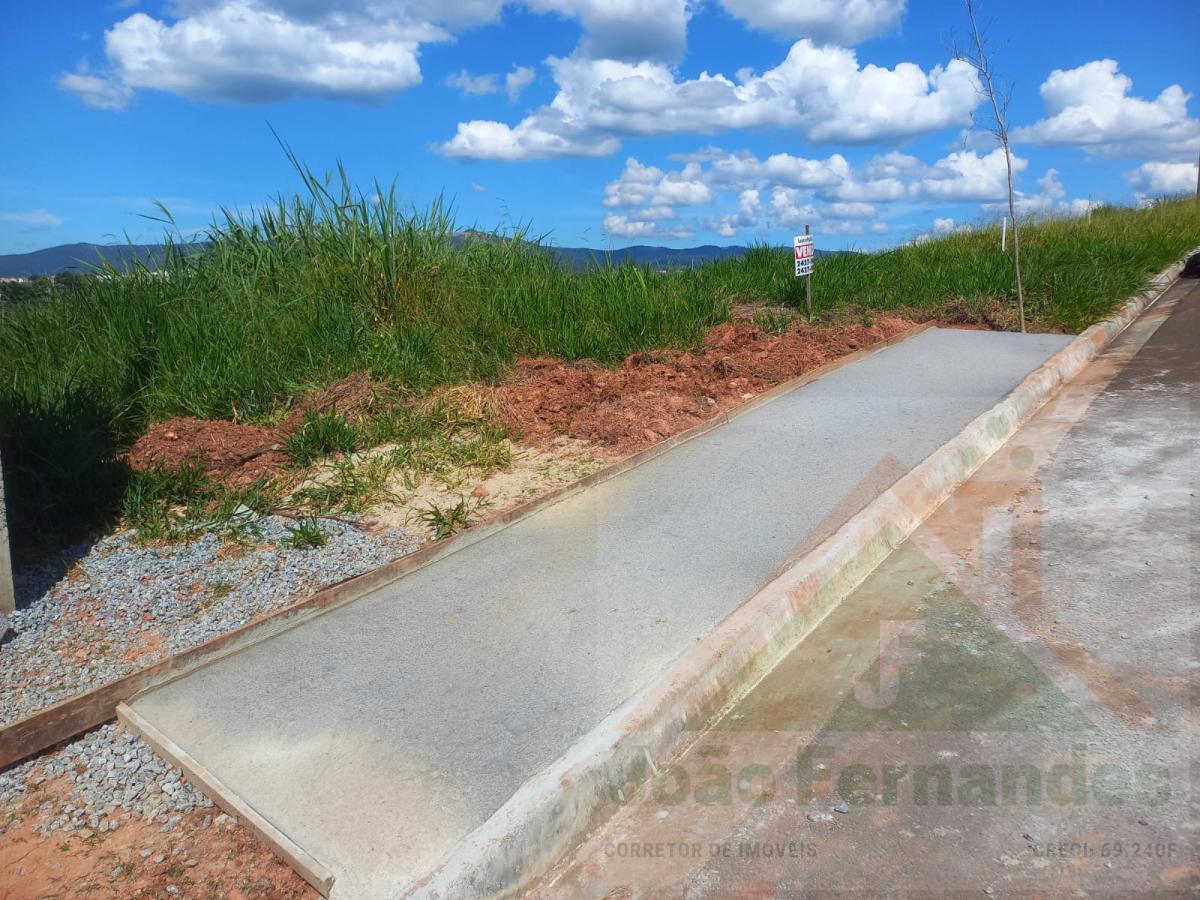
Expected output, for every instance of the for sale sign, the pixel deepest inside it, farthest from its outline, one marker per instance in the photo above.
(803, 244)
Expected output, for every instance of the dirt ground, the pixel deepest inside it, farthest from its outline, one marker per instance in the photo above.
(534, 472)
(241, 453)
(651, 396)
(206, 855)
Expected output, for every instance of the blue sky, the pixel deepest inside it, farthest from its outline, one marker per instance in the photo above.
(601, 123)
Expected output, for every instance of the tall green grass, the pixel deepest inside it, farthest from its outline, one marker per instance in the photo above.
(1075, 271)
(313, 287)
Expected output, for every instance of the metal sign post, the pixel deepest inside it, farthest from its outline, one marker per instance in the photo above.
(803, 246)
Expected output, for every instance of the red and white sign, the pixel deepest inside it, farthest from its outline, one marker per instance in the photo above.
(803, 244)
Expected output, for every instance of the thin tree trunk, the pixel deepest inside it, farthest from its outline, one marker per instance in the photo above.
(1016, 239)
(983, 67)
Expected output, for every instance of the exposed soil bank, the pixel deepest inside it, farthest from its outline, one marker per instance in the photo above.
(650, 396)
(653, 396)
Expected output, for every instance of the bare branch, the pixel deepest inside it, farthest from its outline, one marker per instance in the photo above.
(999, 101)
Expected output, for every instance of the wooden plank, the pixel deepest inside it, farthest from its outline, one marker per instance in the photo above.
(77, 714)
(309, 868)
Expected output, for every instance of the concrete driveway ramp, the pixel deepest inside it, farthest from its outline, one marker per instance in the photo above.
(371, 741)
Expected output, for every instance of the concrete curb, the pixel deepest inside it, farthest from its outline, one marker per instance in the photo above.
(556, 809)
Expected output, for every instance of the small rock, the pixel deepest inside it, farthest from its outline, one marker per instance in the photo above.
(819, 817)
(842, 807)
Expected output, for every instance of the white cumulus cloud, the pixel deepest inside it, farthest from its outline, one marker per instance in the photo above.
(965, 175)
(256, 51)
(1091, 107)
(1159, 179)
(821, 91)
(625, 29)
(831, 194)
(640, 185)
(238, 51)
(622, 226)
(825, 21)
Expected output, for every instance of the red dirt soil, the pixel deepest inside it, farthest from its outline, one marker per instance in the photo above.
(240, 454)
(650, 396)
(215, 446)
(653, 396)
(223, 860)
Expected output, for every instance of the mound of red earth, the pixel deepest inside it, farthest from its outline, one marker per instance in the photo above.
(239, 453)
(651, 396)
(213, 446)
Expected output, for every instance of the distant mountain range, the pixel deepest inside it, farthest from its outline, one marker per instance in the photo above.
(77, 257)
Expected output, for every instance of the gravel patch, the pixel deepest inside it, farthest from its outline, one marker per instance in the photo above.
(112, 774)
(122, 606)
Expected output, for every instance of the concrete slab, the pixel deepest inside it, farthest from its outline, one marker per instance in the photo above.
(1005, 706)
(380, 734)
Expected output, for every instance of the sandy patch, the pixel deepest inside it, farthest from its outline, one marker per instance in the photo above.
(534, 472)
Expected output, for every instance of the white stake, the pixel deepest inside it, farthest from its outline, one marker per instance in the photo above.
(1003, 233)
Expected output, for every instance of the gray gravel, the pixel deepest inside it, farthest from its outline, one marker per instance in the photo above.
(112, 773)
(121, 601)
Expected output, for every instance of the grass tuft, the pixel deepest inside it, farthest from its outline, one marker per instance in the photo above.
(449, 520)
(306, 535)
(321, 435)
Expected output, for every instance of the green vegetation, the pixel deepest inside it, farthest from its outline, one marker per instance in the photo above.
(320, 436)
(449, 520)
(315, 287)
(1076, 271)
(181, 504)
(41, 287)
(350, 488)
(307, 535)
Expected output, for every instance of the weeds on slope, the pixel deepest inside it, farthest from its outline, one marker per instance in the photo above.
(1076, 270)
(313, 287)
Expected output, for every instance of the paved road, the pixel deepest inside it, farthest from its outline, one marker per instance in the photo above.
(378, 735)
(1008, 704)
